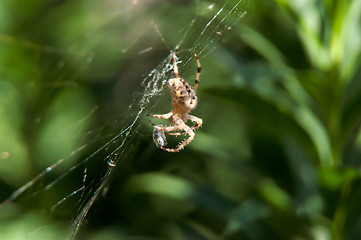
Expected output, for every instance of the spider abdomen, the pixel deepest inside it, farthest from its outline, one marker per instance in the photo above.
(183, 94)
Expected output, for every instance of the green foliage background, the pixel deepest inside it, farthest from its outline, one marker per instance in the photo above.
(278, 156)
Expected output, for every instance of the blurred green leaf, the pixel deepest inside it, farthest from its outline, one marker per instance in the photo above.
(262, 46)
(65, 123)
(274, 195)
(283, 114)
(31, 225)
(335, 178)
(308, 199)
(350, 39)
(162, 184)
(308, 15)
(295, 93)
(247, 213)
(14, 161)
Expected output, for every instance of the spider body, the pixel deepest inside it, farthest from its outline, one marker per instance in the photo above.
(182, 94)
(184, 101)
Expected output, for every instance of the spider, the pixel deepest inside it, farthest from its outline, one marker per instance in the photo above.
(184, 101)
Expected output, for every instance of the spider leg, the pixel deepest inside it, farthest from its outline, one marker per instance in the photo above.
(175, 67)
(159, 128)
(179, 125)
(168, 128)
(168, 133)
(184, 143)
(166, 116)
(176, 133)
(161, 116)
(198, 121)
(198, 72)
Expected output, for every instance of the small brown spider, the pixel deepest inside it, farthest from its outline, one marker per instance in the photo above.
(184, 101)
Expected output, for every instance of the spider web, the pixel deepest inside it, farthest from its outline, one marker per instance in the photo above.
(113, 142)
